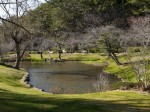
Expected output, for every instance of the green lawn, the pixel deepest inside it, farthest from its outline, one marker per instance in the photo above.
(74, 56)
(16, 97)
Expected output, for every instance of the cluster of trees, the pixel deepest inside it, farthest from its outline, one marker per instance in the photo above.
(116, 25)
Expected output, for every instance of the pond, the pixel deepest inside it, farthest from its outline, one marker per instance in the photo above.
(63, 77)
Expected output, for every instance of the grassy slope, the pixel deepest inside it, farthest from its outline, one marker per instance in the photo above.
(16, 97)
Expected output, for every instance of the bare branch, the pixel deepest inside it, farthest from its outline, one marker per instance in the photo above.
(16, 24)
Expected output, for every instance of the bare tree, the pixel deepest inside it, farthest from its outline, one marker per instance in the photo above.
(72, 41)
(89, 39)
(109, 38)
(138, 37)
(43, 44)
(60, 38)
(5, 45)
(102, 83)
(15, 26)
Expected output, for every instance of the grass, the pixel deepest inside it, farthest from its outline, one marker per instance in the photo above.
(75, 56)
(16, 97)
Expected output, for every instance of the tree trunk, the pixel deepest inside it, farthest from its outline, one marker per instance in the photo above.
(60, 51)
(19, 56)
(49, 48)
(60, 55)
(76, 48)
(41, 54)
(18, 61)
(71, 49)
(87, 50)
(115, 58)
(1, 56)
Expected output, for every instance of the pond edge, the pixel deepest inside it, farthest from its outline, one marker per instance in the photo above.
(25, 80)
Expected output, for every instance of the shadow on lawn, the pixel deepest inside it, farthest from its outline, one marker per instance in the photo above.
(11, 102)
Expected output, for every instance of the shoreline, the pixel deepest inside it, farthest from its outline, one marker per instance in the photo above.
(25, 80)
(125, 85)
(29, 99)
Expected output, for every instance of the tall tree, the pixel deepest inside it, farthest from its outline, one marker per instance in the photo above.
(109, 40)
(15, 26)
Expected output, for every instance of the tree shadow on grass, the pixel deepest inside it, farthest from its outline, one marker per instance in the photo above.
(12, 102)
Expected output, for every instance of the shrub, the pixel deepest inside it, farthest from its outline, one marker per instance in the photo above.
(102, 83)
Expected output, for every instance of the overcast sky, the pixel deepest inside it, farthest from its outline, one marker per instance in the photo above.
(3, 14)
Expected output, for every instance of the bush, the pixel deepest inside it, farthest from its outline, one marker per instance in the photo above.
(94, 50)
(102, 83)
(137, 50)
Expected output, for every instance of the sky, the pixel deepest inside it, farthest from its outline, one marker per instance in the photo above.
(11, 7)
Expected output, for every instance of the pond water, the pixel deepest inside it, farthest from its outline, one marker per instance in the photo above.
(63, 77)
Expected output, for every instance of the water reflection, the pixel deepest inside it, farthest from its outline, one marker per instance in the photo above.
(66, 77)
